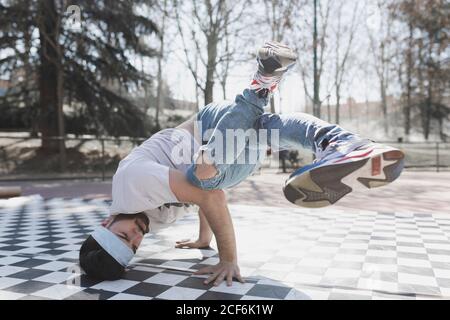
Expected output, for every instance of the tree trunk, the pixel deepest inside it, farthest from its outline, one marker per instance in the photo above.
(212, 55)
(407, 106)
(316, 100)
(160, 57)
(384, 106)
(338, 104)
(48, 76)
(429, 90)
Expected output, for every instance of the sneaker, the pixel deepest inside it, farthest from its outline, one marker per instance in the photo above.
(341, 168)
(274, 59)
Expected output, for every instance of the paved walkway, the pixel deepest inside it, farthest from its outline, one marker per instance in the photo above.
(421, 192)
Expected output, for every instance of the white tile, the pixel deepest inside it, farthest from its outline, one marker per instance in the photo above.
(6, 282)
(257, 298)
(409, 239)
(411, 249)
(33, 243)
(166, 279)
(342, 273)
(439, 246)
(324, 249)
(271, 282)
(298, 277)
(11, 260)
(307, 294)
(406, 278)
(7, 295)
(413, 262)
(147, 269)
(314, 262)
(442, 273)
(383, 243)
(58, 291)
(115, 286)
(349, 257)
(56, 277)
(126, 296)
(56, 265)
(382, 253)
(7, 270)
(375, 284)
(179, 293)
(372, 267)
(439, 257)
(178, 264)
(278, 266)
(235, 288)
(357, 246)
(32, 250)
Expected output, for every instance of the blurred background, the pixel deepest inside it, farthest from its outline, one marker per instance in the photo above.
(83, 82)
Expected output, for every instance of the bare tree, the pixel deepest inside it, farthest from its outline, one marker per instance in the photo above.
(318, 45)
(380, 41)
(235, 38)
(279, 15)
(342, 52)
(202, 25)
(160, 57)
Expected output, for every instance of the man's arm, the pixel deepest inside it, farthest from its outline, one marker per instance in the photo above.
(204, 235)
(214, 207)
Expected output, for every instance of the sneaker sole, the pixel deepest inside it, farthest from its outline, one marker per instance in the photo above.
(325, 185)
(274, 63)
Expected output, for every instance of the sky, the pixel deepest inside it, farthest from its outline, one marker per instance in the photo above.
(291, 91)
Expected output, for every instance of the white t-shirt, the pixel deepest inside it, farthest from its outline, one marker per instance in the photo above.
(141, 182)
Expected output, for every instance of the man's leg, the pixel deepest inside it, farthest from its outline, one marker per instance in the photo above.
(214, 158)
(344, 160)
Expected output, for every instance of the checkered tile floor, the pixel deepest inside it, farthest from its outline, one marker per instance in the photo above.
(284, 253)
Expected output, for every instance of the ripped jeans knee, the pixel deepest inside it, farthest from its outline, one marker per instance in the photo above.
(196, 178)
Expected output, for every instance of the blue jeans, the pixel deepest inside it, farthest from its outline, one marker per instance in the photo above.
(294, 131)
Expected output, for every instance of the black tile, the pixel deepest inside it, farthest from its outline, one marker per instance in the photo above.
(411, 255)
(153, 261)
(51, 239)
(347, 265)
(199, 266)
(31, 297)
(416, 270)
(181, 273)
(195, 283)
(137, 275)
(443, 282)
(381, 260)
(85, 281)
(147, 289)
(13, 241)
(29, 287)
(348, 296)
(268, 291)
(211, 295)
(438, 252)
(52, 245)
(12, 248)
(30, 263)
(91, 294)
(54, 252)
(30, 274)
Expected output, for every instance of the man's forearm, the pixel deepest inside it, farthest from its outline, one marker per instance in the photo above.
(205, 232)
(214, 207)
(221, 224)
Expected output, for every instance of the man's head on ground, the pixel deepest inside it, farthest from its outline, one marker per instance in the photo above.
(108, 250)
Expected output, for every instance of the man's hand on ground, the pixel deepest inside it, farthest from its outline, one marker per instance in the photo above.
(188, 244)
(222, 271)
